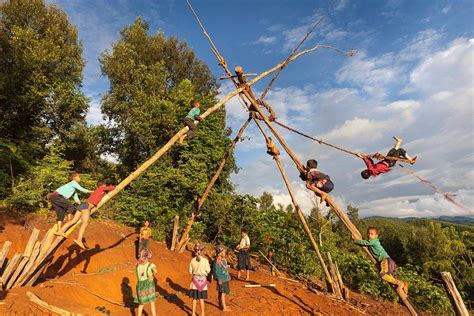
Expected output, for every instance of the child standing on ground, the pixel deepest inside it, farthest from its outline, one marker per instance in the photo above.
(146, 272)
(145, 234)
(59, 198)
(192, 116)
(317, 180)
(199, 268)
(222, 276)
(244, 255)
(271, 257)
(385, 165)
(84, 210)
(388, 267)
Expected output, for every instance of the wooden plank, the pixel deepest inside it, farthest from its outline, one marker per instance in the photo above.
(35, 299)
(12, 264)
(259, 285)
(39, 271)
(3, 255)
(453, 294)
(174, 236)
(29, 265)
(24, 260)
(332, 269)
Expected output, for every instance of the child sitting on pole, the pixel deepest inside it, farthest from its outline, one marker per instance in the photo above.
(59, 198)
(387, 266)
(83, 212)
(385, 165)
(317, 180)
(192, 116)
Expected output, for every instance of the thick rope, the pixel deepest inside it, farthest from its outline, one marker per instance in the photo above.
(447, 196)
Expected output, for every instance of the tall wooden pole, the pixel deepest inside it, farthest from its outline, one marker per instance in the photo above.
(205, 193)
(453, 294)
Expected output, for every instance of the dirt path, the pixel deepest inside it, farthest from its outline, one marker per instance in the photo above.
(107, 269)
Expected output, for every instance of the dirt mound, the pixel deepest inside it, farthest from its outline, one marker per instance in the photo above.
(82, 281)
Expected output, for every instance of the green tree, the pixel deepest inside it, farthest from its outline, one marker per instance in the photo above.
(40, 72)
(152, 81)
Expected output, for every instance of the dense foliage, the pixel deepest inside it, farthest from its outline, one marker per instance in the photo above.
(152, 80)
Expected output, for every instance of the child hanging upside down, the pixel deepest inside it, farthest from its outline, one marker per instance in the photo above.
(192, 116)
(83, 212)
(317, 180)
(388, 267)
(384, 165)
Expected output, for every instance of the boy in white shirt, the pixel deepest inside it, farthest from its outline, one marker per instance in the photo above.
(244, 254)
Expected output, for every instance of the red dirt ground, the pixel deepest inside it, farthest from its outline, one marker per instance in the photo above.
(111, 262)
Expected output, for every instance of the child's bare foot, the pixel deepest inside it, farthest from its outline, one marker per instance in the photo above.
(80, 244)
(226, 309)
(402, 288)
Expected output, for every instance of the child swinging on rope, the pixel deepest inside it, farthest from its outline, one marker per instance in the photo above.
(199, 268)
(388, 267)
(318, 180)
(192, 116)
(384, 165)
(83, 212)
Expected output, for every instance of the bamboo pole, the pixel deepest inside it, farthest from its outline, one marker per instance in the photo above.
(174, 236)
(305, 225)
(35, 299)
(278, 272)
(209, 186)
(453, 294)
(29, 265)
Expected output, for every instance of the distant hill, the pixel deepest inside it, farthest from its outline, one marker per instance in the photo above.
(461, 223)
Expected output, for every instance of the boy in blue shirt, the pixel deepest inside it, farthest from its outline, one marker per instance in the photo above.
(192, 116)
(59, 198)
(388, 268)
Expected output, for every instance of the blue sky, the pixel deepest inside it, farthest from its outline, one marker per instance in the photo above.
(412, 77)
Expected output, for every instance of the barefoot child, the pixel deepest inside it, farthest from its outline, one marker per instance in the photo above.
(271, 257)
(387, 265)
(222, 275)
(145, 234)
(243, 258)
(384, 165)
(59, 198)
(146, 282)
(318, 180)
(192, 116)
(199, 268)
(83, 212)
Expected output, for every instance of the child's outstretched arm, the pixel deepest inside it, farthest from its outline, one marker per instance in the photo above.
(77, 186)
(362, 242)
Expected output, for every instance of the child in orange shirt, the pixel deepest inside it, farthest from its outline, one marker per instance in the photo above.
(145, 234)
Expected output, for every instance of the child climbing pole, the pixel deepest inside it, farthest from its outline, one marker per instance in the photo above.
(386, 164)
(386, 264)
(192, 116)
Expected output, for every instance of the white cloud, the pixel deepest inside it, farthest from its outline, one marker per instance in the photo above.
(340, 5)
(436, 123)
(446, 9)
(265, 40)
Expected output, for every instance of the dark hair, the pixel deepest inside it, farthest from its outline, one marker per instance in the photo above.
(311, 163)
(375, 229)
(244, 231)
(193, 102)
(101, 183)
(365, 174)
(73, 174)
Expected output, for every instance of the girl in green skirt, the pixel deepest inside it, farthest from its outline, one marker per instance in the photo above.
(146, 282)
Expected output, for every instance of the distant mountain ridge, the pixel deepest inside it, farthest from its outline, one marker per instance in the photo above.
(464, 220)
